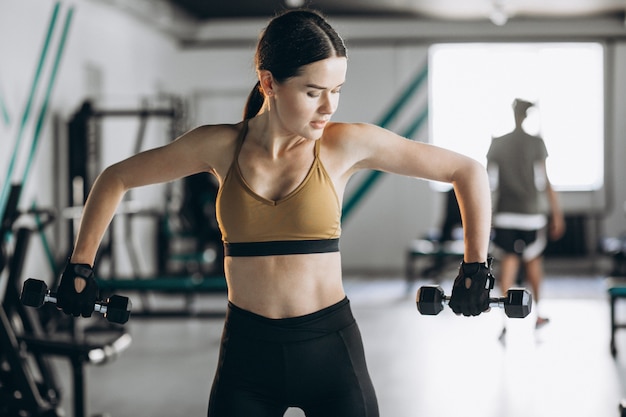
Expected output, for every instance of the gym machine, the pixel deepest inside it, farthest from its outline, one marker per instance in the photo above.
(28, 383)
(189, 251)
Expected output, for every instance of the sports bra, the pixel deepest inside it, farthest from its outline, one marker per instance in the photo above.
(307, 220)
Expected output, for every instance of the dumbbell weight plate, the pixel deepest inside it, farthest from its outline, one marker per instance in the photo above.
(430, 300)
(518, 304)
(118, 309)
(33, 293)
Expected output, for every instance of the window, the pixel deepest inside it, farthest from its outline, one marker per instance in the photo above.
(472, 87)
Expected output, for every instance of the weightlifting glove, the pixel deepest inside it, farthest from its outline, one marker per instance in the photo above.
(71, 301)
(470, 292)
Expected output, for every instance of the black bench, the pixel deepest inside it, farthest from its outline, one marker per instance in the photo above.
(441, 249)
(438, 254)
(616, 287)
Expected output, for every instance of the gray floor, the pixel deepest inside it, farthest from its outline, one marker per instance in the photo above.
(420, 366)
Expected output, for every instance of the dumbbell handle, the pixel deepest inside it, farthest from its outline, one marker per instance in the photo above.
(493, 302)
(100, 306)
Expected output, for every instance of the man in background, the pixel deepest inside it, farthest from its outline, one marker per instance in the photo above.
(526, 208)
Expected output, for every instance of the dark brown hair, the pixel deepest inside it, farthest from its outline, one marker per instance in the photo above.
(291, 40)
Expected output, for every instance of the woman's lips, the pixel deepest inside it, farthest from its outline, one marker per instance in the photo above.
(319, 124)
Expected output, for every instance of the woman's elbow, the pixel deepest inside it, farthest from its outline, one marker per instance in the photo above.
(112, 179)
(471, 171)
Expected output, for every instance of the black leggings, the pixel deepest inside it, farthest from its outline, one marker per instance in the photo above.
(315, 362)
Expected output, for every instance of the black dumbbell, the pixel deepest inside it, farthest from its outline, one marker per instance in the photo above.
(517, 303)
(116, 308)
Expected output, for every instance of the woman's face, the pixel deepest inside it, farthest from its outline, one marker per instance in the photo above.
(304, 104)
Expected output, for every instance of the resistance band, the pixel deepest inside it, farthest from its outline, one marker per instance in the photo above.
(408, 92)
(6, 118)
(44, 240)
(44, 107)
(38, 128)
(4, 192)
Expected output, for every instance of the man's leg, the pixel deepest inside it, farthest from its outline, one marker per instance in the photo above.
(509, 265)
(534, 275)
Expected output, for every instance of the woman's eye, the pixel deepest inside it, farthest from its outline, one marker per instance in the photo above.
(313, 94)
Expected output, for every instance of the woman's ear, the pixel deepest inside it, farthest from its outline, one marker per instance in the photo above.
(267, 82)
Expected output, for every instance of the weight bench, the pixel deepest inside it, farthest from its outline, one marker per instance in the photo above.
(616, 287)
(444, 246)
(166, 284)
(616, 283)
(615, 247)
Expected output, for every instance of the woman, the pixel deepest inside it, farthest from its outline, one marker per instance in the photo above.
(289, 337)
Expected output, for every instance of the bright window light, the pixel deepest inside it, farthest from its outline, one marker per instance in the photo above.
(472, 87)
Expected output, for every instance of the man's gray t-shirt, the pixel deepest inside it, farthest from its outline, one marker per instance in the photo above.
(516, 155)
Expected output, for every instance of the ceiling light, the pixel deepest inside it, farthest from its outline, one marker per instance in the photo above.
(294, 3)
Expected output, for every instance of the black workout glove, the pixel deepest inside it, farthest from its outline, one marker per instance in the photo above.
(470, 292)
(73, 302)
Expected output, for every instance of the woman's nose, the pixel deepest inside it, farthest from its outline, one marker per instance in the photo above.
(328, 105)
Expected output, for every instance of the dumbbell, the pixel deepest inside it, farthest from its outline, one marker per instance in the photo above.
(116, 308)
(517, 303)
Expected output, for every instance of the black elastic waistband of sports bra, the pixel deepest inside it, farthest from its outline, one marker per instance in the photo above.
(281, 247)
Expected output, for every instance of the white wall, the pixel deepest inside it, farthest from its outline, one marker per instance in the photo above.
(129, 59)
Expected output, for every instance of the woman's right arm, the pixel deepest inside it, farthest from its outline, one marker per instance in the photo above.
(201, 149)
(189, 154)
(99, 209)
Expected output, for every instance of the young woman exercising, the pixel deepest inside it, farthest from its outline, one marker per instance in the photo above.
(289, 339)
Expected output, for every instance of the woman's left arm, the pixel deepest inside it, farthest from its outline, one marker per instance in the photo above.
(379, 149)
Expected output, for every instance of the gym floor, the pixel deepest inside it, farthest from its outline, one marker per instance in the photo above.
(420, 366)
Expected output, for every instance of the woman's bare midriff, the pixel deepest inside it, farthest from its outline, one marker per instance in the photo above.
(285, 286)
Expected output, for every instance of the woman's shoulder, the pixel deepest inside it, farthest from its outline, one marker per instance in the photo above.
(347, 145)
(216, 132)
(215, 144)
(216, 138)
(348, 128)
(359, 135)
(345, 133)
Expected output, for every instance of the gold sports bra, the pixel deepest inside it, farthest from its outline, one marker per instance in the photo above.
(307, 220)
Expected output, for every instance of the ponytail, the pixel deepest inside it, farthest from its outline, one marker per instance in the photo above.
(254, 102)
